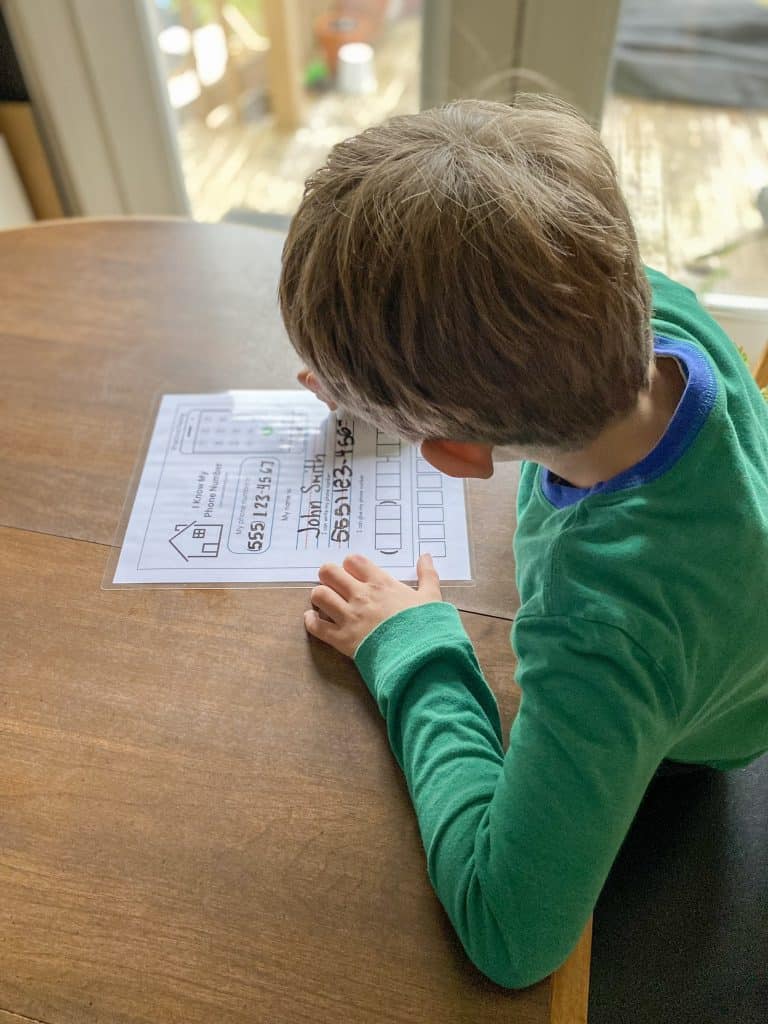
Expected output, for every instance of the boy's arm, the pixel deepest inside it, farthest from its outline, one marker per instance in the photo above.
(518, 846)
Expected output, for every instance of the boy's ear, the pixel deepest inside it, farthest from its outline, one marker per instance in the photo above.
(459, 458)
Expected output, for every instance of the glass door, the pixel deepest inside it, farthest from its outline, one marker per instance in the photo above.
(261, 89)
(255, 92)
(686, 120)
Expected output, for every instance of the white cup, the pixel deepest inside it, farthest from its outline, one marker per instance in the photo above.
(355, 75)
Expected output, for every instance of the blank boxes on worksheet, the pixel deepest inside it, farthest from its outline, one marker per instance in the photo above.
(389, 489)
(389, 528)
(431, 531)
(429, 498)
(430, 512)
(388, 482)
(436, 548)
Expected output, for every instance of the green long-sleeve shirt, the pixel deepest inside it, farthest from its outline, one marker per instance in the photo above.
(642, 635)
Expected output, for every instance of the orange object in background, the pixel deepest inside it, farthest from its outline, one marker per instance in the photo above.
(354, 21)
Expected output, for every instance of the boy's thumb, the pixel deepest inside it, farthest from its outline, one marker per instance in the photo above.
(429, 581)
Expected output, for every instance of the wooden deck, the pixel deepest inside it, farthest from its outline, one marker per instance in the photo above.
(256, 166)
(691, 174)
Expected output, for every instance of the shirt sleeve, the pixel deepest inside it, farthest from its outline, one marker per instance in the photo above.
(519, 845)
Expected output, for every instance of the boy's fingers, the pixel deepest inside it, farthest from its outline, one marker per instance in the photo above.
(317, 627)
(329, 602)
(429, 581)
(337, 579)
(362, 568)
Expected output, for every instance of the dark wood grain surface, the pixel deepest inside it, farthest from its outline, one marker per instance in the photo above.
(200, 817)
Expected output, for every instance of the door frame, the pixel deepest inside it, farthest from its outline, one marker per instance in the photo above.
(92, 71)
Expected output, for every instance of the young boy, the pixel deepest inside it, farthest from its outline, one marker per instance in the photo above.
(469, 278)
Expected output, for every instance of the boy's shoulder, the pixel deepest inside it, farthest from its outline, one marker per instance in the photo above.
(614, 548)
(677, 313)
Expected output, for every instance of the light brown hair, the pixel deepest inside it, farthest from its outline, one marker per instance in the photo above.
(472, 273)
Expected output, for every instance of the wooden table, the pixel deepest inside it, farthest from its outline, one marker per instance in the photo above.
(200, 817)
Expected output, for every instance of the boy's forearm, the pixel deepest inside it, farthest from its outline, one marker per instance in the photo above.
(391, 658)
(453, 760)
(444, 730)
(519, 844)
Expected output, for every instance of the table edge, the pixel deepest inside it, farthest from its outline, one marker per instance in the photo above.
(130, 218)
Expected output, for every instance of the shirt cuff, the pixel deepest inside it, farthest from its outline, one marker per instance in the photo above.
(399, 645)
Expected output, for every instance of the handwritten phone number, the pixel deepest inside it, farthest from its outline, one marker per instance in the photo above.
(341, 482)
(262, 501)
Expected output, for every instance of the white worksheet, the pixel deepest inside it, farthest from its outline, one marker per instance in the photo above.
(265, 486)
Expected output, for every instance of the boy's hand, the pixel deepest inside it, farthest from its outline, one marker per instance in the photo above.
(309, 380)
(358, 596)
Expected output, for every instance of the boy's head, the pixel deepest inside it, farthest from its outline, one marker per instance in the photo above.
(471, 273)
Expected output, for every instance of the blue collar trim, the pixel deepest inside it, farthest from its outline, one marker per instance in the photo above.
(695, 405)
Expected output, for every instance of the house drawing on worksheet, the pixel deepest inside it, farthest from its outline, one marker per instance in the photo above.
(197, 540)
